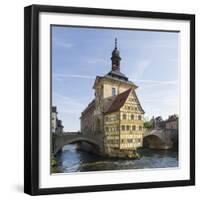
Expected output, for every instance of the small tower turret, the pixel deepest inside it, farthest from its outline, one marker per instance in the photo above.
(115, 58)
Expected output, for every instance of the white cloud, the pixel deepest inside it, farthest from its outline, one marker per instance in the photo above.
(140, 68)
(155, 81)
(95, 60)
(151, 83)
(63, 44)
(69, 110)
(61, 76)
(150, 45)
(64, 100)
(159, 97)
(158, 44)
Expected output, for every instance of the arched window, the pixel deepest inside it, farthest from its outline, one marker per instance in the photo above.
(132, 116)
(139, 117)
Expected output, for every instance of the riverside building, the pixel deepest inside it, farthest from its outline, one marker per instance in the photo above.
(115, 112)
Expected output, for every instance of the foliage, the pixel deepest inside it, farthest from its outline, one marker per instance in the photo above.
(53, 160)
(148, 125)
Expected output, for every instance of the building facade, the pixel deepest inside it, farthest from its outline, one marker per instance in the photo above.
(169, 124)
(172, 122)
(115, 112)
(56, 124)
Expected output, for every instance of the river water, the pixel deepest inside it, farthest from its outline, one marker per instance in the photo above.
(72, 160)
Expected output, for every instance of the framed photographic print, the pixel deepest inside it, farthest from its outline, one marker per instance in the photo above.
(109, 99)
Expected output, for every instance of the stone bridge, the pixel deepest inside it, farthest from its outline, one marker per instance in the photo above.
(94, 140)
(160, 138)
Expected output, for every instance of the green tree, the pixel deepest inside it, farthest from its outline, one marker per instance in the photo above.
(148, 125)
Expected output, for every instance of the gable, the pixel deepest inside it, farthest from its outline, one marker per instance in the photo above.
(132, 103)
(138, 102)
(119, 101)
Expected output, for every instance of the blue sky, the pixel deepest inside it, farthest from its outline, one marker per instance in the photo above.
(149, 59)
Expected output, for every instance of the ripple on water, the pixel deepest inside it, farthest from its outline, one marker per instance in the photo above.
(71, 160)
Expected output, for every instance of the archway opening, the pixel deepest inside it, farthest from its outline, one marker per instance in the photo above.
(152, 142)
(83, 145)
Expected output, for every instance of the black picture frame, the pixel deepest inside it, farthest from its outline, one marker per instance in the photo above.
(31, 98)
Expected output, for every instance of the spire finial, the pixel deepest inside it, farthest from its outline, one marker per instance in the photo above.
(115, 58)
(115, 43)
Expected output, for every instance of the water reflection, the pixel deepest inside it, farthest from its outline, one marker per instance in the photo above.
(72, 160)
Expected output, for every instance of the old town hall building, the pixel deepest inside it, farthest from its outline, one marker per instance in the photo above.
(115, 112)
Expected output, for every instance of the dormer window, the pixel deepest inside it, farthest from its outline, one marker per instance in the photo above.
(113, 91)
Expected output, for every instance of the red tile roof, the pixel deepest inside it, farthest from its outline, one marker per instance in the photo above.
(119, 101)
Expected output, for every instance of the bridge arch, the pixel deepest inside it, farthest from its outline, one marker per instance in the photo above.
(152, 142)
(157, 139)
(61, 141)
(91, 142)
